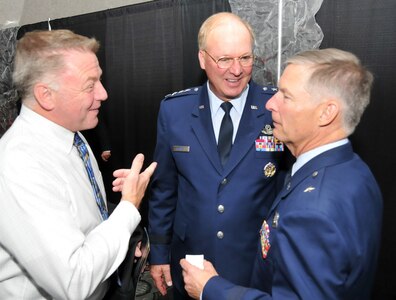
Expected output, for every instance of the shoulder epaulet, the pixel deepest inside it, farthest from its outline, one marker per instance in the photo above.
(270, 89)
(190, 91)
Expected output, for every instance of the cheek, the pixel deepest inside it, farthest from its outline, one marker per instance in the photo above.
(248, 71)
(216, 74)
(87, 101)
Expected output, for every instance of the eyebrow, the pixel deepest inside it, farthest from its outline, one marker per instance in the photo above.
(283, 89)
(94, 78)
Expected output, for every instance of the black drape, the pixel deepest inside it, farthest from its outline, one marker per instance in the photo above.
(148, 50)
(368, 29)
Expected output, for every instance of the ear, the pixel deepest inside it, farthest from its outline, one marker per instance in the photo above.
(329, 111)
(201, 59)
(44, 96)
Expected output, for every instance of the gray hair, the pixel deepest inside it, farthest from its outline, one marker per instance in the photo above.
(40, 54)
(339, 73)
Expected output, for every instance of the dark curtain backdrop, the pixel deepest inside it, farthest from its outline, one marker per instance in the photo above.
(368, 29)
(148, 50)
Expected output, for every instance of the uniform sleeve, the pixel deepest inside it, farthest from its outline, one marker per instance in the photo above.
(218, 288)
(162, 204)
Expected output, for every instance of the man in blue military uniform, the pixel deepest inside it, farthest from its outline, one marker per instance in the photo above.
(217, 170)
(322, 236)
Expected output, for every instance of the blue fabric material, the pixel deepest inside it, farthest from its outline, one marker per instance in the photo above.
(83, 151)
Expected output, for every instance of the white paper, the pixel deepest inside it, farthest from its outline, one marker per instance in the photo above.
(196, 260)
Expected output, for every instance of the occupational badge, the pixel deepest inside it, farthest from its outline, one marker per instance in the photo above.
(309, 189)
(264, 239)
(269, 170)
(267, 130)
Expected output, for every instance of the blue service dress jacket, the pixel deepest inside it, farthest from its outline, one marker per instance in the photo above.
(196, 205)
(322, 236)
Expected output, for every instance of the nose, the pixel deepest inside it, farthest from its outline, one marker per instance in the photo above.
(236, 67)
(100, 93)
(271, 103)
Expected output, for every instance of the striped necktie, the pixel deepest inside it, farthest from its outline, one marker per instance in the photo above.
(83, 151)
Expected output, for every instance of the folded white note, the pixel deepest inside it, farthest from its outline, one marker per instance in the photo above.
(196, 260)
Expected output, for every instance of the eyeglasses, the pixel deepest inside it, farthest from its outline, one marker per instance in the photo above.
(225, 62)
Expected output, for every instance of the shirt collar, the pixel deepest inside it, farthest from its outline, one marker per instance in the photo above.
(51, 132)
(307, 156)
(237, 103)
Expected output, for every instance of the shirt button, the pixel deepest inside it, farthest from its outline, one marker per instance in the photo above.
(220, 235)
(220, 208)
(224, 181)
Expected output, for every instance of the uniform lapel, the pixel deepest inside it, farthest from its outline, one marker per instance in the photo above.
(203, 129)
(318, 163)
(250, 126)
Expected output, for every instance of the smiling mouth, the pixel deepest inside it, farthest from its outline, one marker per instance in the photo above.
(233, 80)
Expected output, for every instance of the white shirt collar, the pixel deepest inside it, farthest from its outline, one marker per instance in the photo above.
(237, 103)
(51, 132)
(307, 156)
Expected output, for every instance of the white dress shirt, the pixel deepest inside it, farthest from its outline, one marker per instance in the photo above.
(217, 112)
(53, 243)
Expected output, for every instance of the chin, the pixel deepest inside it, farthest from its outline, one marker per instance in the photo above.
(92, 124)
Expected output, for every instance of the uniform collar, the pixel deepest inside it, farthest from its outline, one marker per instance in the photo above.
(307, 156)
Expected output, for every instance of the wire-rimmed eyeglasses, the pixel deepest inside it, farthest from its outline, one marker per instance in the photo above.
(226, 62)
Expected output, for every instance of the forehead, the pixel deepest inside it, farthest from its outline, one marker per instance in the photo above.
(82, 63)
(229, 36)
(296, 75)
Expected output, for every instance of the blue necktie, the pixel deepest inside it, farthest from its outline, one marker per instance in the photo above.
(225, 135)
(83, 151)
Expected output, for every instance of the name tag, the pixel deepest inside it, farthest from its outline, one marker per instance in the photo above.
(180, 148)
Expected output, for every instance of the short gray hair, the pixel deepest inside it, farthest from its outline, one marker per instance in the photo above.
(339, 73)
(40, 54)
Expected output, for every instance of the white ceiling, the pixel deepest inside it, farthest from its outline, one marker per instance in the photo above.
(20, 12)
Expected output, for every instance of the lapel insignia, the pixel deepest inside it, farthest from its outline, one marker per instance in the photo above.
(275, 220)
(264, 239)
(201, 106)
(253, 107)
(269, 170)
(309, 189)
